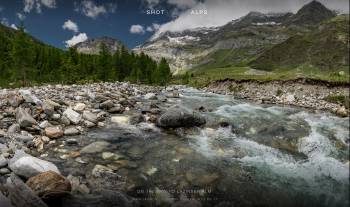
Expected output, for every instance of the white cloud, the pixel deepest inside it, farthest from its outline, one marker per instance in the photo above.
(1, 9)
(137, 29)
(20, 16)
(76, 39)
(70, 25)
(29, 5)
(90, 9)
(153, 27)
(151, 4)
(5, 22)
(13, 26)
(221, 12)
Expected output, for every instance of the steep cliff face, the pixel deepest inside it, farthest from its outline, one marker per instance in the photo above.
(236, 43)
(92, 46)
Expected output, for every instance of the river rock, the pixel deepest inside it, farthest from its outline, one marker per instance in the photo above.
(45, 124)
(120, 119)
(28, 166)
(341, 111)
(53, 132)
(103, 178)
(90, 116)
(107, 104)
(111, 156)
(48, 107)
(14, 128)
(21, 195)
(3, 161)
(64, 120)
(89, 124)
(71, 131)
(49, 184)
(95, 147)
(150, 96)
(15, 100)
(23, 118)
(4, 201)
(29, 97)
(79, 107)
(72, 115)
(180, 117)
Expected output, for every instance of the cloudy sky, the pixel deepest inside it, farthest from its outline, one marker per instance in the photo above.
(63, 23)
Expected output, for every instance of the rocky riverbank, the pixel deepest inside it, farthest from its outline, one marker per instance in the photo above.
(40, 119)
(301, 93)
(49, 156)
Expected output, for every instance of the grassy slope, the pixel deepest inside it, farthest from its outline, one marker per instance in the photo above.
(321, 54)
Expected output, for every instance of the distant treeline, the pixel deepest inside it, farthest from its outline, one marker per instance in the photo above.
(25, 61)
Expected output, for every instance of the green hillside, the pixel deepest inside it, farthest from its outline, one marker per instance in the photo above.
(320, 53)
(325, 49)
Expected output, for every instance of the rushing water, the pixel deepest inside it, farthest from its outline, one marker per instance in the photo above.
(267, 156)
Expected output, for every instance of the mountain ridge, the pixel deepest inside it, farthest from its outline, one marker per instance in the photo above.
(248, 35)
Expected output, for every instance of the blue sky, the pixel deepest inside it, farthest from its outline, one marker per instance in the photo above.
(112, 18)
(65, 22)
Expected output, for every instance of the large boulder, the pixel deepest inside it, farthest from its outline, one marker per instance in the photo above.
(49, 184)
(179, 116)
(72, 115)
(21, 195)
(23, 118)
(28, 166)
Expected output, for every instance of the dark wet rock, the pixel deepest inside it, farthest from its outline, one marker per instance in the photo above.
(28, 166)
(103, 178)
(71, 131)
(25, 137)
(21, 195)
(4, 201)
(107, 104)
(199, 177)
(72, 141)
(136, 152)
(95, 147)
(178, 116)
(136, 119)
(23, 118)
(49, 184)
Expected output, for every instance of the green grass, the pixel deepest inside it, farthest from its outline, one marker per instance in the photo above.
(202, 76)
(339, 99)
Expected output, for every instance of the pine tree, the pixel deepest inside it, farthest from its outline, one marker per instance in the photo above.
(163, 73)
(21, 54)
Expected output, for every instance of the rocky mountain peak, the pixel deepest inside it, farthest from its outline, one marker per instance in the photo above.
(92, 45)
(310, 14)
